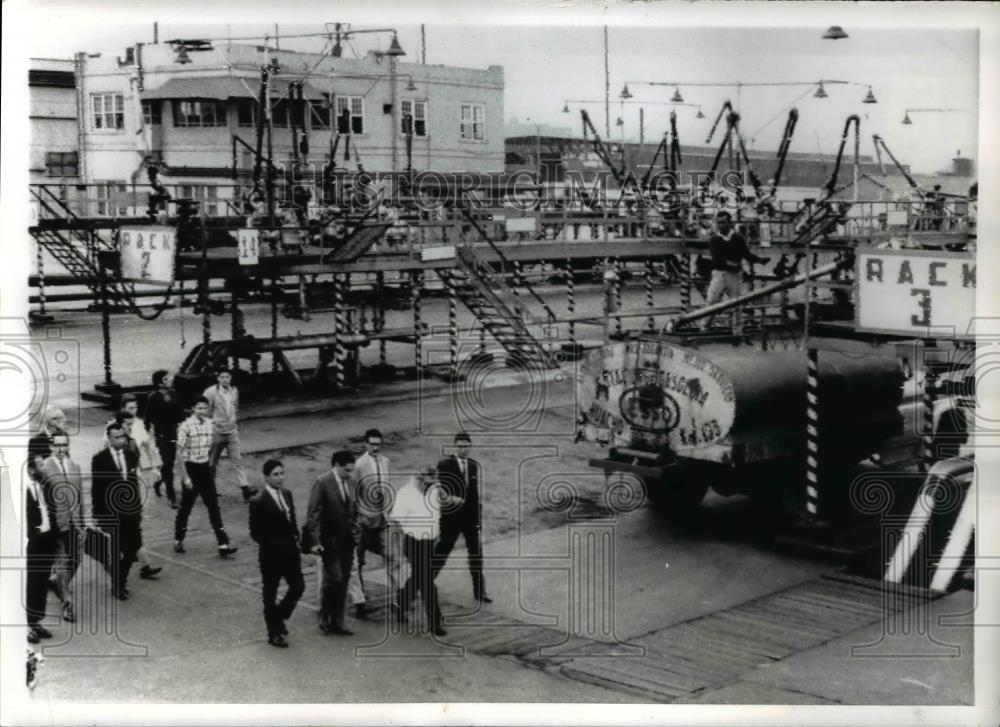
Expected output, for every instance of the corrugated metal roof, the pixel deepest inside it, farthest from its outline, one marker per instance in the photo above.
(221, 88)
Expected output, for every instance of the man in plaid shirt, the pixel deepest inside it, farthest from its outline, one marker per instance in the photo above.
(194, 443)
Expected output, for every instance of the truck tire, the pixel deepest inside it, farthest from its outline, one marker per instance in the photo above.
(677, 495)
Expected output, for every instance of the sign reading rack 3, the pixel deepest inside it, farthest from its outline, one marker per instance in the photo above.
(915, 292)
(147, 254)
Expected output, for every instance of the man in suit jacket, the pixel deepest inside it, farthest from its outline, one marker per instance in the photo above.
(117, 505)
(40, 528)
(64, 491)
(273, 527)
(460, 476)
(330, 533)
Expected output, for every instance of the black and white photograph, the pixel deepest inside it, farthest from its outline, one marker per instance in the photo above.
(495, 363)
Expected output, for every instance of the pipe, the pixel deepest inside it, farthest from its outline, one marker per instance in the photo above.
(767, 290)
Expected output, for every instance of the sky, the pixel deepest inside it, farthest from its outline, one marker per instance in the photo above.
(926, 66)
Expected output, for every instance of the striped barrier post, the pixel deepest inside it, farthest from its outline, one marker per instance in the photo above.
(380, 282)
(417, 279)
(338, 329)
(571, 299)
(618, 294)
(650, 323)
(452, 333)
(812, 435)
(40, 264)
(930, 396)
(686, 275)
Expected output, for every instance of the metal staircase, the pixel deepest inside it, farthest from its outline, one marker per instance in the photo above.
(499, 309)
(75, 247)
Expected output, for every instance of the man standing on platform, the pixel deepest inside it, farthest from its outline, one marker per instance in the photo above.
(330, 532)
(194, 442)
(728, 249)
(373, 491)
(460, 477)
(164, 414)
(274, 528)
(223, 401)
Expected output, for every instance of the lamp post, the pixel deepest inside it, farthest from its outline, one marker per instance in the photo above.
(739, 85)
(906, 117)
(624, 100)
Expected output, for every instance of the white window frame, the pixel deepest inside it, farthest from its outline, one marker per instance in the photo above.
(104, 192)
(472, 122)
(107, 111)
(220, 108)
(418, 108)
(207, 196)
(357, 106)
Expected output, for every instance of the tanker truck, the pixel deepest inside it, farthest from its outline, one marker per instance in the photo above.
(733, 418)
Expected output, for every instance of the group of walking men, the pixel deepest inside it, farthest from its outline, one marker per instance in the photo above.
(356, 510)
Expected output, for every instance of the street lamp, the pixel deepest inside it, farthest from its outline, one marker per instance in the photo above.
(739, 85)
(835, 32)
(906, 117)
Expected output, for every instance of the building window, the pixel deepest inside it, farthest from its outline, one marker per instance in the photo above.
(350, 115)
(62, 163)
(199, 113)
(108, 110)
(151, 113)
(110, 202)
(246, 113)
(207, 196)
(472, 126)
(319, 114)
(415, 113)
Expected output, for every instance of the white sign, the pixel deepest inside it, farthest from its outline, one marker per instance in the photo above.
(646, 395)
(248, 240)
(520, 224)
(148, 254)
(916, 292)
(437, 252)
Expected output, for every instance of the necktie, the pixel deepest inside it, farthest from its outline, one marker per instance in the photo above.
(282, 505)
(343, 490)
(378, 470)
(464, 467)
(120, 461)
(62, 465)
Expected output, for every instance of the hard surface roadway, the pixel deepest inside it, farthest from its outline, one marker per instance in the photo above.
(589, 605)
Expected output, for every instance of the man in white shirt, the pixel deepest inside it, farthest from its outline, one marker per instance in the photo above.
(374, 494)
(64, 490)
(223, 401)
(416, 514)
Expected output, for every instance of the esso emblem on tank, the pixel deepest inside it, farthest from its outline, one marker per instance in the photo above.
(650, 395)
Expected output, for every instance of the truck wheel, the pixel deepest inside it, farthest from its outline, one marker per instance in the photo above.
(676, 496)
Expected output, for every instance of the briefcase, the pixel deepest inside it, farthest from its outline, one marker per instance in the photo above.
(97, 544)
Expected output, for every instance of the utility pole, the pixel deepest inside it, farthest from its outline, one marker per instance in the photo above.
(423, 45)
(607, 89)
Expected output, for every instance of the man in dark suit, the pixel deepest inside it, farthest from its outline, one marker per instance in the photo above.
(460, 476)
(117, 505)
(273, 527)
(40, 526)
(330, 532)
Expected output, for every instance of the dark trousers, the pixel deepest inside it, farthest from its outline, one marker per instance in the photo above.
(124, 539)
(202, 484)
(40, 559)
(168, 453)
(419, 553)
(333, 596)
(468, 528)
(273, 567)
(69, 551)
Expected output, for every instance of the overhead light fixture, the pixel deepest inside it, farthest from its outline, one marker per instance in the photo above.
(820, 92)
(906, 119)
(182, 56)
(395, 49)
(625, 92)
(565, 108)
(699, 115)
(870, 98)
(834, 32)
(411, 86)
(677, 96)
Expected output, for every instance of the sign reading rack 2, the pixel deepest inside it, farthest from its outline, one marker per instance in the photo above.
(915, 292)
(147, 254)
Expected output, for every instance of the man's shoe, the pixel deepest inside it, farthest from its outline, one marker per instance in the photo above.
(440, 631)
(32, 636)
(149, 572)
(67, 612)
(483, 598)
(173, 505)
(284, 629)
(42, 632)
(179, 547)
(341, 631)
(227, 550)
(278, 640)
(362, 611)
(121, 594)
